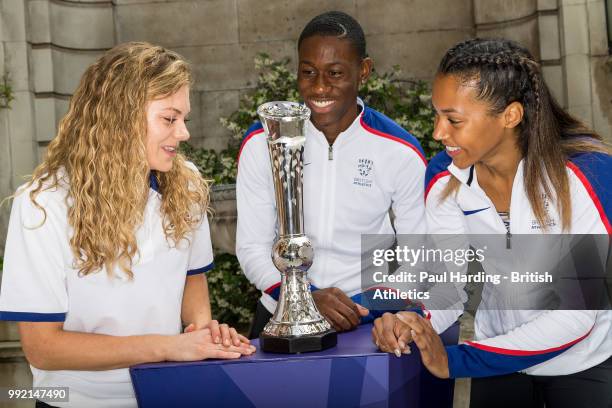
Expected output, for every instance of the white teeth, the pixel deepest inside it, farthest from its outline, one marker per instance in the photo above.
(321, 104)
(452, 148)
(169, 149)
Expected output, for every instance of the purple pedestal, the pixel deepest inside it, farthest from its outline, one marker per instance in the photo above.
(352, 374)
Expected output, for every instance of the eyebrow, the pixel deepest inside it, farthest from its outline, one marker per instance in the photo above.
(175, 110)
(449, 110)
(329, 63)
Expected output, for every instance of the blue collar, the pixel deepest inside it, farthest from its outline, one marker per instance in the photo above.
(153, 183)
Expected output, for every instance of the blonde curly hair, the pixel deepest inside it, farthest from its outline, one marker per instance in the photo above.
(100, 151)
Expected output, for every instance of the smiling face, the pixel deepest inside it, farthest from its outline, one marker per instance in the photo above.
(166, 128)
(329, 74)
(466, 126)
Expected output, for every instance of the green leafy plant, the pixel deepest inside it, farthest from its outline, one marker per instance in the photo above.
(232, 297)
(274, 83)
(6, 93)
(408, 103)
(220, 167)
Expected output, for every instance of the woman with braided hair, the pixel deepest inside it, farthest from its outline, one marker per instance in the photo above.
(108, 243)
(515, 163)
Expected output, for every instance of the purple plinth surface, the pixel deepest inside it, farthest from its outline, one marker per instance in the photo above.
(352, 374)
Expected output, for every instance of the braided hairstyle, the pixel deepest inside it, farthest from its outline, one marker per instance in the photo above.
(336, 24)
(502, 72)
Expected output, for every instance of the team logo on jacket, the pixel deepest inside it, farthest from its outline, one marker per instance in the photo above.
(365, 168)
(549, 220)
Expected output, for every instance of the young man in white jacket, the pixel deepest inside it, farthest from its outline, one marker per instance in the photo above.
(358, 165)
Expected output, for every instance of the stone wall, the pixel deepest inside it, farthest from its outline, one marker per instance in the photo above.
(45, 45)
(577, 64)
(513, 19)
(17, 150)
(413, 34)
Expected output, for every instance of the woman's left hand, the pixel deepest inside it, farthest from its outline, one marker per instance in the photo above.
(221, 333)
(433, 353)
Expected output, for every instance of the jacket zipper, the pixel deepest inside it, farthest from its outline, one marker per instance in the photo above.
(510, 214)
(326, 224)
(508, 233)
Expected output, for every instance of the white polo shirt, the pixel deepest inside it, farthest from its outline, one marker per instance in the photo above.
(40, 284)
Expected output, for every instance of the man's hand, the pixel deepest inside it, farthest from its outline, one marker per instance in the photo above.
(433, 353)
(339, 309)
(391, 335)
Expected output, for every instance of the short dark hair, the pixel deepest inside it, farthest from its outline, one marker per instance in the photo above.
(336, 24)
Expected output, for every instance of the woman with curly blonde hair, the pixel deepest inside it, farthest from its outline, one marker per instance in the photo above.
(109, 240)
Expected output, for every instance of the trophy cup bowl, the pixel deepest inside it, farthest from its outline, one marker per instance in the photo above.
(297, 325)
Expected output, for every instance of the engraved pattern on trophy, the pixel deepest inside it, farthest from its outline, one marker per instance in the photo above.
(297, 325)
(286, 155)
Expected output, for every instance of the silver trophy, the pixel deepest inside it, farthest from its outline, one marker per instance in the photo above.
(297, 325)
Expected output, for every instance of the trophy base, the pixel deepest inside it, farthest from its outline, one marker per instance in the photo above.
(298, 344)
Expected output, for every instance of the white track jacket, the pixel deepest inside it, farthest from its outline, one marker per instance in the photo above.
(536, 342)
(349, 188)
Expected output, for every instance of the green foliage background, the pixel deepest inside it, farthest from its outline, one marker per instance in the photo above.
(232, 297)
(408, 103)
(6, 92)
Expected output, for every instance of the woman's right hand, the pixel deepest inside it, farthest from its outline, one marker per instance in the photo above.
(199, 345)
(221, 333)
(391, 334)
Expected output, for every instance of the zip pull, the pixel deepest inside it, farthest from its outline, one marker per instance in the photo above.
(508, 240)
(330, 152)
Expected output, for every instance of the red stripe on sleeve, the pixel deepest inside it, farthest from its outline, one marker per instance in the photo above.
(246, 139)
(433, 181)
(589, 188)
(394, 138)
(509, 352)
(271, 288)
